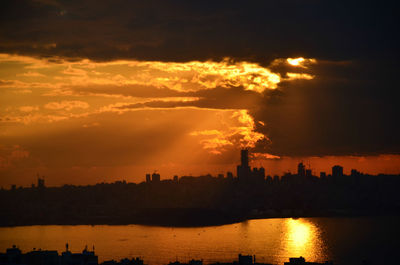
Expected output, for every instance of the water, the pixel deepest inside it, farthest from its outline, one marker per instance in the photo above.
(343, 240)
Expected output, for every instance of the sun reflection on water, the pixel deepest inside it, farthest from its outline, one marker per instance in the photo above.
(299, 233)
(302, 239)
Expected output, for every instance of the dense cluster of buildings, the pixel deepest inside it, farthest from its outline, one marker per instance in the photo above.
(246, 174)
(204, 200)
(14, 256)
(244, 171)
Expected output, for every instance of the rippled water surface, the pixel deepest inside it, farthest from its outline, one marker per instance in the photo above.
(343, 240)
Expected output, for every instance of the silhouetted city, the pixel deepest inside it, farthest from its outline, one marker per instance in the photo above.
(204, 200)
(45, 257)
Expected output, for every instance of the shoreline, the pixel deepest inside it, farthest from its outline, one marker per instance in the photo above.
(204, 224)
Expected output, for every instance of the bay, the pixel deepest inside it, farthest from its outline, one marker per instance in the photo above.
(342, 240)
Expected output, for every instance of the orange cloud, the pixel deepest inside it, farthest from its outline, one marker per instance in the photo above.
(299, 76)
(240, 133)
(67, 105)
(28, 108)
(186, 76)
(300, 62)
(162, 109)
(11, 154)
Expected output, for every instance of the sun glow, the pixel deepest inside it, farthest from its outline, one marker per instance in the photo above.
(200, 99)
(299, 233)
(300, 62)
(241, 133)
(295, 61)
(302, 239)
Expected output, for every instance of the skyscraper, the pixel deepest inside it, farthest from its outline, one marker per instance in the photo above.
(243, 170)
(337, 171)
(301, 169)
(244, 157)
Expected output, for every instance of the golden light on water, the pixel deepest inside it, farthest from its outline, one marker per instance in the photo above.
(303, 239)
(271, 240)
(299, 233)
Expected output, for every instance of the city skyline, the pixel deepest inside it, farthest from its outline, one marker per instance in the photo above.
(204, 200)
(272, 167)
(100, 91)
(245, 170)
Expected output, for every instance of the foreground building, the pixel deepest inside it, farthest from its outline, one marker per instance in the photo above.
(14, 256)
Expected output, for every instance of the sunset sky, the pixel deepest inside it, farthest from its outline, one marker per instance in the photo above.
(94, 91)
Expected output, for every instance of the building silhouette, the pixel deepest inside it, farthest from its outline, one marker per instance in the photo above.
(176, 179)
(301, 169)
(302, 261)
(14, 256)
(155, 177)
(246, 259)
(244, 171)
(337, 171)
(148, 178)
(40, 183)
(86, 257)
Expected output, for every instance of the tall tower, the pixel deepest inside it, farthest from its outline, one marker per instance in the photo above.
(337, 171)
(148, 178)
(243, 170)
(244, 157)
(40, 183)
(301, 169)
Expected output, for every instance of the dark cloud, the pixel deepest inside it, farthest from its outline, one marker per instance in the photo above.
(188, 30)
(348, 109)
(216, 98)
